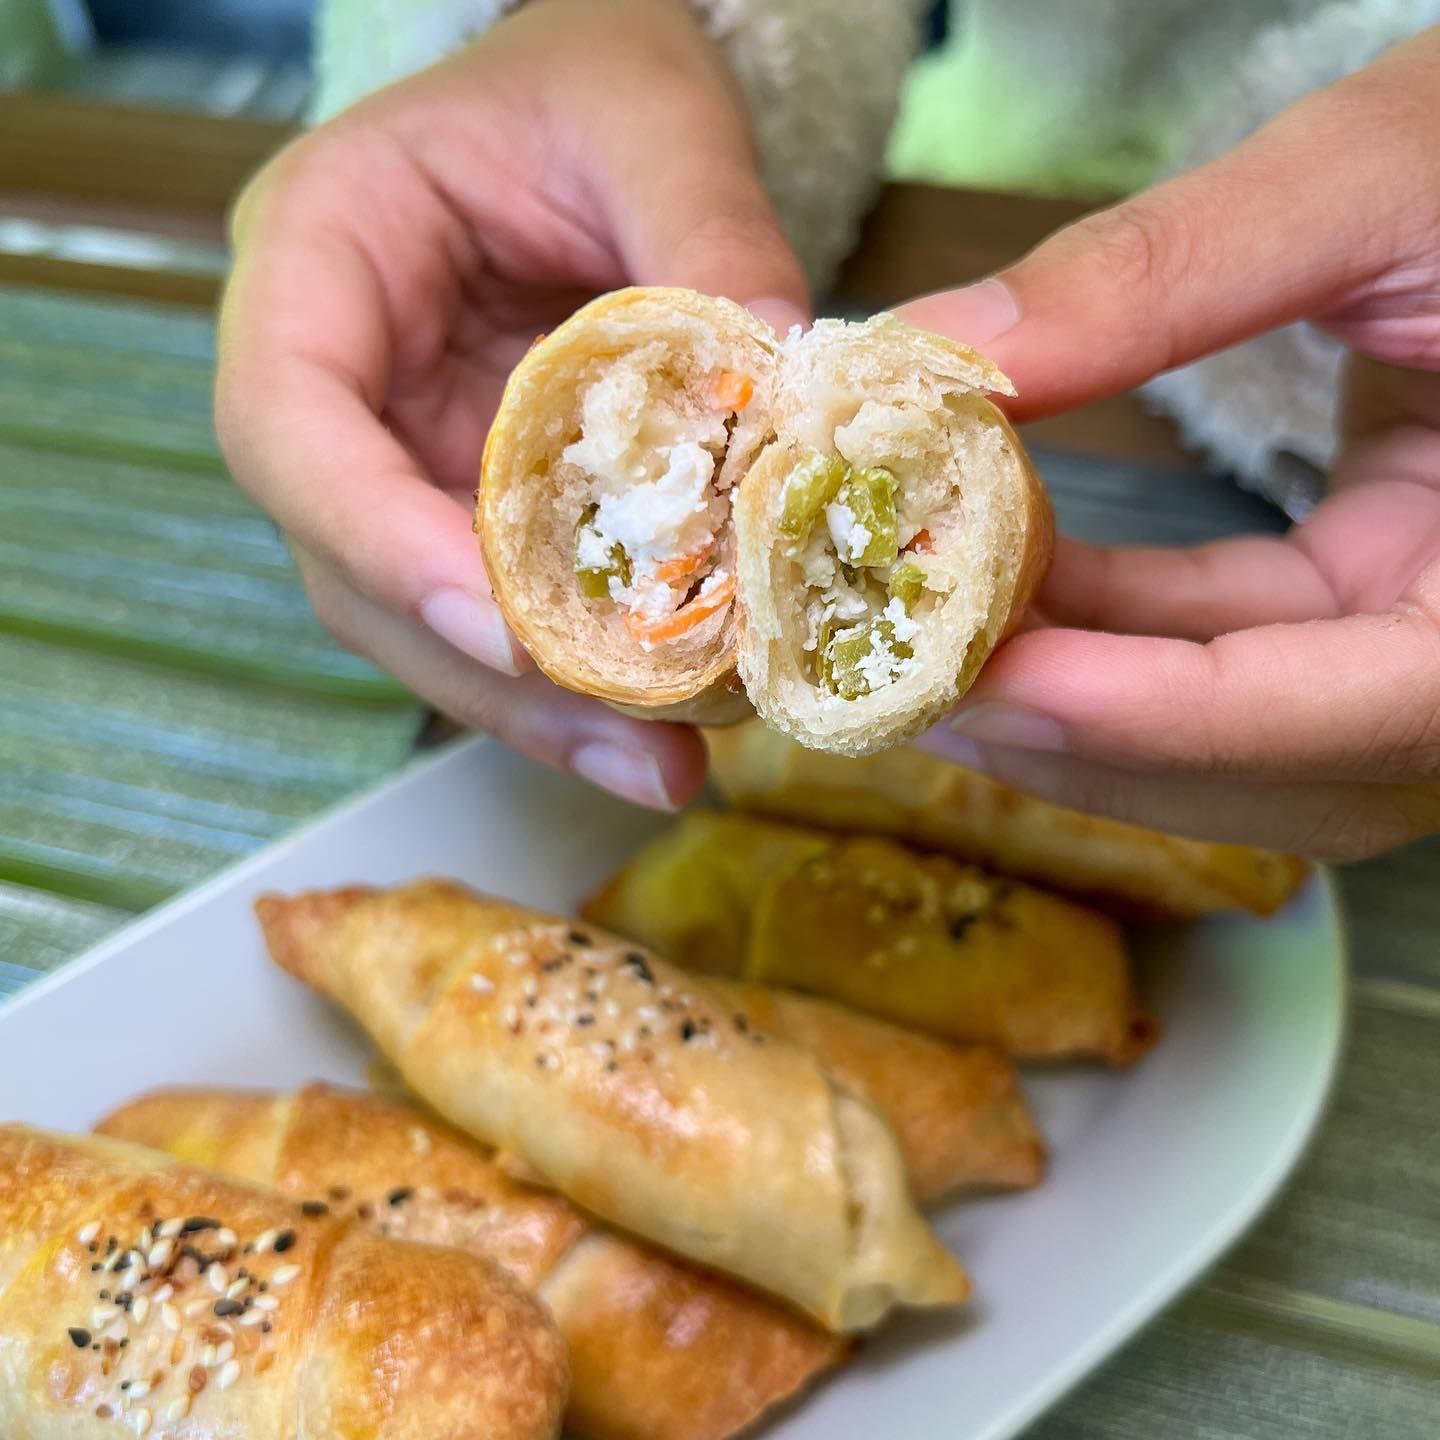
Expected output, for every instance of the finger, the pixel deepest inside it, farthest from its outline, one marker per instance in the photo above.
(303, 366)
(1323, 822)
(652, 764)
(1194, 593)
(688, 207)
(1278, 229)
(1355, 698)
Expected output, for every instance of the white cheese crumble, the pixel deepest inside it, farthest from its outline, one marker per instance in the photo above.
(849, 536)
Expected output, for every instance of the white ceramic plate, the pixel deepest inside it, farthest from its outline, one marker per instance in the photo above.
(1153, 1172)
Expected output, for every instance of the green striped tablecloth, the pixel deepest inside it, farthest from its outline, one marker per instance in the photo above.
(167, 703)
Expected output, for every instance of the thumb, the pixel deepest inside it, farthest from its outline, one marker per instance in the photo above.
(1279, 229)
(688, 206)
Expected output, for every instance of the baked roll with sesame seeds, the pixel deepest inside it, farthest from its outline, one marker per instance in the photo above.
(630, 1087)
(919, 939)
(139, 1295)
(660, 1350)
(680, 510)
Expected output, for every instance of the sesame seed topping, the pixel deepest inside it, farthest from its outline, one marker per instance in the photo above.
(263, 1244)
(229, 1375)
(266, 1302)
(237, 1287)
(152, 1345)
(224, 1351)
(312, 1208)
(207, 1357)
(283, 1241)
(639, 967)
(89, 1232)
(482, 984)
(687, 1029)
(194, 1307)
(163, 1293)
(228, 1307)
(170, 1318)
(102, 1315)
(218, 1277)
(285, 1274)
(177, 1409)
(170, 1229)
(579, 937)
(78, 1338)
(140, 1310)
(251, 1317)
(610, 1010)
(147, 1239)
(226, 1239)
(400, 1196)
(140, 1420)
(139, 1389)
(159, 1253)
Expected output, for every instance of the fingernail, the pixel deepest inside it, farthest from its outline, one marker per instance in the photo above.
(989, 722)
(780, 315)
(944, 744)
(976, 314)
(631, 774)
(476, 627)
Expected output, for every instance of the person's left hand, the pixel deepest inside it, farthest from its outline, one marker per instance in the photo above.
(1282, 692)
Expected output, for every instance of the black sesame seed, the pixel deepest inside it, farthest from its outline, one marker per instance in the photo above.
(579, 937)
(96, 1349)
(531, 1001)
(124, 1384)
(645, 1032)
(248, 1250)
(313, 1208)
(111, 1246)
(400, 1196)
(283, 1241)
(338, 1192)
(741, 1024)
(688, 1030)
(93, 1247)
(198, 1222)
(637, 963)
(611, 1065)
(104, 1294)
(94, 1267)
(584, 1018)
(263, 1287)
(78, 1338)
(264, 1327)
(559, 963)
(124, 1342)
(228, 1307)
(959, 924)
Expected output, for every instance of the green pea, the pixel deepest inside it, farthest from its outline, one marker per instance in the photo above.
(870, 496)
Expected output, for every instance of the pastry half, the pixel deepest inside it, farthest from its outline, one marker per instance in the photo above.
(681, 512)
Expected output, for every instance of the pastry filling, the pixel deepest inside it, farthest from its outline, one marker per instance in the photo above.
(865, 551)
(648, 533)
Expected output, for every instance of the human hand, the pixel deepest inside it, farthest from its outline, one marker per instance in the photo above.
(1284, 692)
(390, 268)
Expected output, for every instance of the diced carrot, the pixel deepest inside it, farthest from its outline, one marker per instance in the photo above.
(683, 565)
(671, 627)
(921, 543)
(731, 391)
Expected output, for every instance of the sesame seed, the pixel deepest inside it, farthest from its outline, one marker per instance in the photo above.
(196, 1223)
(163, 1294)
(285, 1274)
(207, 1357)
(152, 1345)
(140, 1420)
(218, 1277)
(139, 1389)
(89, 1232)
(482, 984)
(177, 1409)
(313, 1208)
(146, 1238)
(419, 1140)
(224, 1351)
(229, 1375)
(283, 1241)
(170, 1318)
(266, 1302)
(511, 1016)
(639, 967)
(579, 937)
(228, 1307)
(226, 1239)
(237, 1288)
(78, 1338)
(531, 988)
(263, 1244)
(170, 1229)
(251, 1317)
(102, 1315)
(194, 1307)
(159, 1253)
(400, 1196)
(585, 1017)
(687, 1029)
(610, 1010)
(140, 1311)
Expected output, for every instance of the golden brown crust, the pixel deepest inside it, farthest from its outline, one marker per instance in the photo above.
(632, 1090)
(532, 579)
(239, 1312)
(659, 1350)
(942, 807)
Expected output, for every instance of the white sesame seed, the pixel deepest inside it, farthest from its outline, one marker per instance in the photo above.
(195, 1307)
(102, 1315)
(110, 1262)
(511, 1016)
(139, 1389)
(252, 1317)
(647, 1012)
(482, 984)
(163, 1293)
(171, 1228)
(263, 1244)
(146, 1239)
(600, 1049)
(89, 1232)
(140, 1310)
(226, 1239)
(627, 1042)
(177, 1409)
(419, 1141)
(225, 1351)
(531, 988)
(207, 1357)
(218, 1277)
(610, 1009)
(170, 1318)
(229, 1374)
(152, 1345)
(266, 1302)
(139, 1420)
(518, 957)
(236, 1290)
(284, 1275)
(159, 1253)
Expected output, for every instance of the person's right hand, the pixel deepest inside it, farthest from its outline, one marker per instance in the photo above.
(390, 268)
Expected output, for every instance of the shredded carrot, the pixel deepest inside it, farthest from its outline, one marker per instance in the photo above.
(921, 543)
(731, 391)
(684, 565)
(671, 627)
